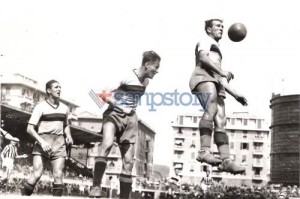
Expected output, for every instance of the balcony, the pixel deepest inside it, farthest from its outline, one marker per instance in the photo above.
(178, 166)
(178, 148)
(179, 136)
(258, 164)
(258, 139)
(257, 177)
(216, 174)
(178, 160)
(258, 152)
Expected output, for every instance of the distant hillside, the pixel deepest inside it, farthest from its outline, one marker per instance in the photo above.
(160, 171)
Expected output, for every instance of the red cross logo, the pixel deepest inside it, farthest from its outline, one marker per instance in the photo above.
(104, 95)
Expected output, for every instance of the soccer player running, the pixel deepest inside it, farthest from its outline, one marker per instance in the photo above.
(120, 120)
(50, 118)
(209, 79)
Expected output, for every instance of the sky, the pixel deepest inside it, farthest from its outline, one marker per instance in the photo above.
(90, 44)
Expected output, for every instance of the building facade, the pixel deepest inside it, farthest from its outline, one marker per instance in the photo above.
(24, 93)
(285, 162)
(249, 146)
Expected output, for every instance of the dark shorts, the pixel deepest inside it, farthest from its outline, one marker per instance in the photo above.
(58, 146)
(126, 124)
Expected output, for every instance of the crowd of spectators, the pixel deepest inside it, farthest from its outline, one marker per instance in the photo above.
(44, 187)
(273, 191)
(145, 189)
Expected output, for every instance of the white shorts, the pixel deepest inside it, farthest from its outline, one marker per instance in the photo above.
(8, 163)
(205, 187)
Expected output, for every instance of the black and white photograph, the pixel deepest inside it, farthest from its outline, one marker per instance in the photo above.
(149, 99)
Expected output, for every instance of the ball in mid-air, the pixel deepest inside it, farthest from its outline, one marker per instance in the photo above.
(237, 32)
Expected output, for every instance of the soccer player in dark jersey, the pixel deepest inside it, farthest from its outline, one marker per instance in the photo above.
(120, 121)
(48, 125)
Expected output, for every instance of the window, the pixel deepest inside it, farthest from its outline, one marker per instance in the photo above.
(193, 155)
(232, 133)
(193, 145)
(147, 145)
(178, 142)
(259, 124)
(244, 134)
(244, 158)
(178, 155)
(194, 132)
(25, 92)
(245, 122)
(244, 146)
(179, 131)
(204, 168)
(6, 90)
(195, 120)
(239, 121)
(180, 120)
(258, 160)
(257, 171)
(232, 157)
(258, 133)
(232, 121)
(231, 145)
(192, 168)
(146, 156)
(36, 96)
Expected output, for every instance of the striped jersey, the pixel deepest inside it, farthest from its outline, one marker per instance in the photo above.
(207, 180)
(50, 119)
(9, 151)
(129, 92)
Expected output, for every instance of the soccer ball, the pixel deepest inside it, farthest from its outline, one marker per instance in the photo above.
(237, 32)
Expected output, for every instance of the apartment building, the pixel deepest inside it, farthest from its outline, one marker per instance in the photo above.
(249, 146)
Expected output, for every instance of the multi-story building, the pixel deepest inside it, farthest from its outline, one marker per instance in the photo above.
(24, 93)
(249, 146)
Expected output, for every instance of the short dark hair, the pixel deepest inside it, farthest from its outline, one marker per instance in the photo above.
(150, 56)
(49, 84)
(209, 23)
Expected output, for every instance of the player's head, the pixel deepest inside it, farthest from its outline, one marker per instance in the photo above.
(151, 62)
(214, 28)
(53, 89)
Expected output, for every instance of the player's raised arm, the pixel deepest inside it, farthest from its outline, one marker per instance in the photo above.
(208, 64)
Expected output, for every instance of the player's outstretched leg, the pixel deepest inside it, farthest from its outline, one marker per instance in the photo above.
(227, 165)
(204, 154)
